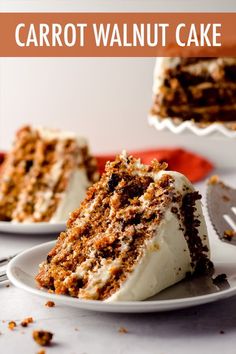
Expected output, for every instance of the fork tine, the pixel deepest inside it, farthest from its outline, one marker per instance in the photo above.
(230, 219)
(221, 202)
(233, 211)
(6, 260)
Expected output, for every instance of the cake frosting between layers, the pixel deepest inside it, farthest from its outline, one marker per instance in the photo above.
(73, 195)
(139, 230)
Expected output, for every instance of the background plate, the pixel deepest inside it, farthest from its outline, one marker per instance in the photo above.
(32, 228)
(23, 268)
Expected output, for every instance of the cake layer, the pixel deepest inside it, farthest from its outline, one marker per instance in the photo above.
(139, 230)
(15, 167)
(199, 114)
(202, 95)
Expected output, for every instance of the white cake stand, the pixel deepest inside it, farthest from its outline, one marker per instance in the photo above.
(178, 127)
(216, 141)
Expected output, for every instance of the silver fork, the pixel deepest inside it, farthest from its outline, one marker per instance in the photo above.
(3, 274)
(5, 260)
(221, 205)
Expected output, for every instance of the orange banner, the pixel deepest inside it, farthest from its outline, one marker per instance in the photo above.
(117, 34)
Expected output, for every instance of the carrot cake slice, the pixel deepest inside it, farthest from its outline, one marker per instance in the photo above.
(139, 230)
(45, 175)
(201, 89)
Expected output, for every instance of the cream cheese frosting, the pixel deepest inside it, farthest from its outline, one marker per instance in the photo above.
(166, 258)
(73, 195)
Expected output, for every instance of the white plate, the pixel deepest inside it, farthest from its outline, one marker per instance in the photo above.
(32, 228)
(178, 127)
(23, 268)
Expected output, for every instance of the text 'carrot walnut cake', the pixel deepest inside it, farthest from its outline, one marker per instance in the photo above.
(139, 230)
(45, 175)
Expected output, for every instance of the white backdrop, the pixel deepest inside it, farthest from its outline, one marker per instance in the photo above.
(106, 100)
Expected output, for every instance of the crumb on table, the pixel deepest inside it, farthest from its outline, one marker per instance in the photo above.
(50, 304)
(42, 337)
(123, 330)
(225, 198)
(229, 234)
(42, 351)
(213, 179)
(11, 325)
(26, 321)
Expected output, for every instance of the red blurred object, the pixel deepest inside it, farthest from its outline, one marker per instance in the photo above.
(191, 165)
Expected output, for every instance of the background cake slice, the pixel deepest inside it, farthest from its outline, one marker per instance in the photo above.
(139, 230)
(45, 176)
(202, 89)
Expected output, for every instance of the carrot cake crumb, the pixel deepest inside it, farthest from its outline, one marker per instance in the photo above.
(41, 352)
(229, 234)
(42, 337)
(50, 304)
(11, 325)
(213, 179)
(225, 198)
(123, 330)
(26, 321)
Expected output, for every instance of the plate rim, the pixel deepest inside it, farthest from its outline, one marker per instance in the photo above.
(125, 306)
(43, 227)
(32, 223)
